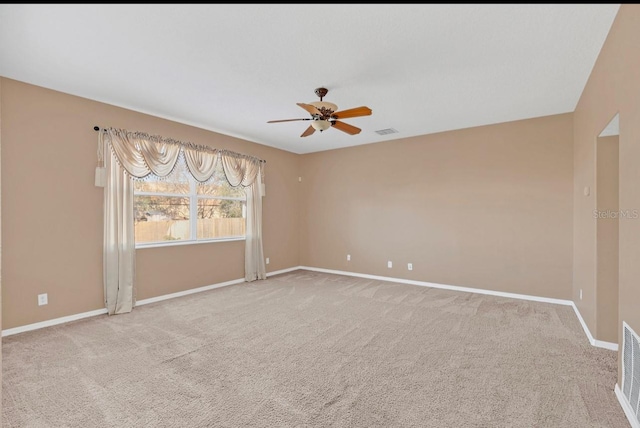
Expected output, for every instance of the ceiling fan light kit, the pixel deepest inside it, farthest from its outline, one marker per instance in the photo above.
(321, 125)
(325, 115)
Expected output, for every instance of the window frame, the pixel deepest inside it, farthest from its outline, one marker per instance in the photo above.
(193, 197)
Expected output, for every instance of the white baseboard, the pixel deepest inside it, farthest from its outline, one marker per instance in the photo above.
(205, 288)
(49, 323)
(62, 320)
(444, 286)
(628, 412)
(278, 272)
(592, 340)
(606, 345)
(187, 292)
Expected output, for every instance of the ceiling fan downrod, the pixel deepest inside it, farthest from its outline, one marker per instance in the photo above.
(321, 92)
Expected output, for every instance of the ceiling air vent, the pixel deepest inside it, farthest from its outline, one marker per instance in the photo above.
(386, 131)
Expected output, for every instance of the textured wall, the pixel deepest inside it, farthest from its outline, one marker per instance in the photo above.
(613, 87)
(607, 224)
(487, 207)
(52, 212)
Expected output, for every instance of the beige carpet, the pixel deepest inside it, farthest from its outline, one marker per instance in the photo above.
(306, 349)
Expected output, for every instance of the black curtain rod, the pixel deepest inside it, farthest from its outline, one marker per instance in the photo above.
(97, 128)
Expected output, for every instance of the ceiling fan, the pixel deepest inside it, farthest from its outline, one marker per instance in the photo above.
(325, 115)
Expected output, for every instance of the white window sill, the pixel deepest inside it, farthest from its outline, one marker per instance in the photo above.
(179, 242)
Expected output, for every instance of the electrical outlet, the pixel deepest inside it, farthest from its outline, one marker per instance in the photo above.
(267, 260)
(410, 266)
(348, 257)
(581, 294)
(43, 299)
(389, 264)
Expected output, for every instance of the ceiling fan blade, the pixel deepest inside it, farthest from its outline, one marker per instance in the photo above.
(287, 120)
(352, 112)
(311, 109)
(310, 130)
(344, 127)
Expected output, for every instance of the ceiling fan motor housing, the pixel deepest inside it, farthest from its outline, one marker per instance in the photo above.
(321, 92)
(325, 108)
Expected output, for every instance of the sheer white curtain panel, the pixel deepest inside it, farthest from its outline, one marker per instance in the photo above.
(134, 155)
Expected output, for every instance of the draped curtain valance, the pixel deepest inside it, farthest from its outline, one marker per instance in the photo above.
(135, 155)
(142, 154)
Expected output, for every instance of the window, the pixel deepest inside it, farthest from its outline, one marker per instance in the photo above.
(165, 208)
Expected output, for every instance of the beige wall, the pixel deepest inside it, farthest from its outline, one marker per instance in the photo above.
(52, 212)
(613, 87)
(607, 238)
(487, 207)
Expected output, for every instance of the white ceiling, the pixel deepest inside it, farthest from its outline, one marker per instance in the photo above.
(421, 68)
(613, 128)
